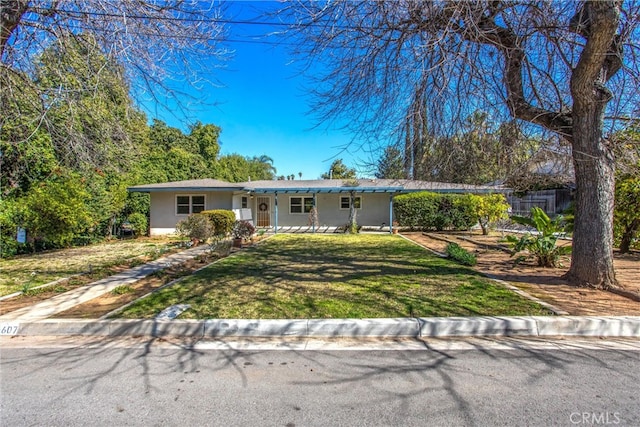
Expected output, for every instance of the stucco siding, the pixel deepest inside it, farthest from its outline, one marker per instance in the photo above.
(374, 211)
(163, 215)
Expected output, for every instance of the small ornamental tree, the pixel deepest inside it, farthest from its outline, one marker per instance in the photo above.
(489, 208)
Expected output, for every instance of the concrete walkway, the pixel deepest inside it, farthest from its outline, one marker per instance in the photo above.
(70, 299)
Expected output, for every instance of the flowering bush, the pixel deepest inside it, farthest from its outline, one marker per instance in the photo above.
(243, 230)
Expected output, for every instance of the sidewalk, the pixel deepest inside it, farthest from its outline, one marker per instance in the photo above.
(70, 299)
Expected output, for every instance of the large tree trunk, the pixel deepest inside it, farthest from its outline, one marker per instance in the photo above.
(593, 159)
(592, 255)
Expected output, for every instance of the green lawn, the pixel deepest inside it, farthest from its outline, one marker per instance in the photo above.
(27, 271)
(335, 276)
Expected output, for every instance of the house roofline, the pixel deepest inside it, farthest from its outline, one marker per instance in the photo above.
(307, 190)
(142, 189)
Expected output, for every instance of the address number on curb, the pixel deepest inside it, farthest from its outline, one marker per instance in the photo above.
(9, 328)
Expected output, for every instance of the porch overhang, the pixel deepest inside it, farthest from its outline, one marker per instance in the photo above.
(326, 190)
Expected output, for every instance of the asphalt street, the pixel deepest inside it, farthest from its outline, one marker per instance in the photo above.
(66, 381)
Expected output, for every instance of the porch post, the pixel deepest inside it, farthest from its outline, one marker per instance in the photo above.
(313, 217)
(276, 218)
(391, 213)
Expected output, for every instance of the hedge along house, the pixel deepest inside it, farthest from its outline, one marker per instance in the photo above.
(309, 205)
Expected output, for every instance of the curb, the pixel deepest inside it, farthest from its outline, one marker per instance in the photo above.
(526, 326)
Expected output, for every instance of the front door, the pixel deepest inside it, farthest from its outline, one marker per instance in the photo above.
(264, 212)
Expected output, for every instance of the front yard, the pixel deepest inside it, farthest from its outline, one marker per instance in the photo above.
(28, 271)
(335, 276)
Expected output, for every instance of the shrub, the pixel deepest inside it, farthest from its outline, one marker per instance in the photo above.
(543, 244)
(243, 230)
(55, 211)
(461, 255)
(426, 210)
(195, 227)
(221, 220)
(139, 223)
(416, 210)
(10, 214)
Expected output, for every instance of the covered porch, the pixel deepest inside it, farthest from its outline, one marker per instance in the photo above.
(323, 209)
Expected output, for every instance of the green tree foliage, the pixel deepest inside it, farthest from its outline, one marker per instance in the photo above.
(91, 144)
(237, 168)
(390, 165)
(27, 152)
(626, 216)
(206, 137)
(339, 170)
(55, 211)
(11, 217)
(488, 209)
(158, 44)
(139, 223)
(88, 128)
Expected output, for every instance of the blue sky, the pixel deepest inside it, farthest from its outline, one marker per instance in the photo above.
(263, 107)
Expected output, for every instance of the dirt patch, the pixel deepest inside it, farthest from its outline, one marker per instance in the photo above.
(109, 302)
(544, 283)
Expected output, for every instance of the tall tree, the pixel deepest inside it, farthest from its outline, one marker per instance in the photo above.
(237, 168)
(391, 164)
(339, 170)
(155, 44)
(88, 128)
(553, 64)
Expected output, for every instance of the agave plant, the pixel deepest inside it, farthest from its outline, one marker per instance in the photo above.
(542, 245)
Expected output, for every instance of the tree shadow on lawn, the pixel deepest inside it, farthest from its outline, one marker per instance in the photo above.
(270, 281)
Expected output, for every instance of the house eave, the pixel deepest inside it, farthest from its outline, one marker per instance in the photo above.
(308, 190)
(182, 189)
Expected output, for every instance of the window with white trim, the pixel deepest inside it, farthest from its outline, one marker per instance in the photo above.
(298, 205)
(344, 202)
(244, 202)
(186, 205)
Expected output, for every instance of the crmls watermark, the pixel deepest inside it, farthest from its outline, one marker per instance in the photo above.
(595, 418)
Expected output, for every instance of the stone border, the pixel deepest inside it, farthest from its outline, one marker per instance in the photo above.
(555, 310)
